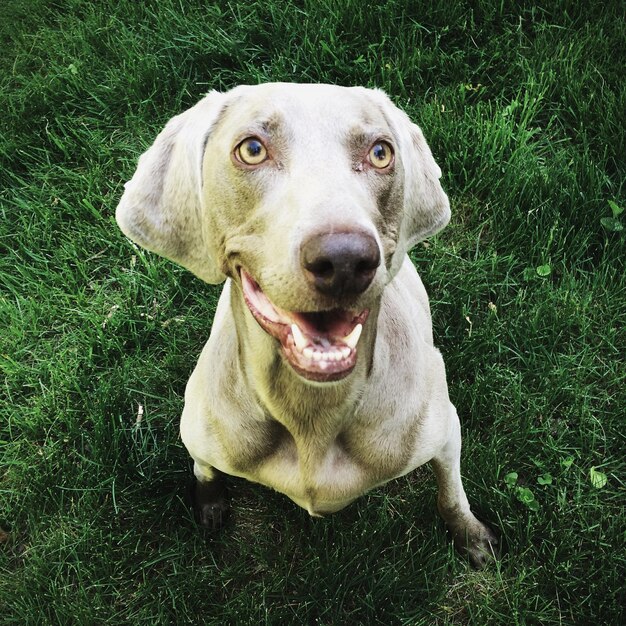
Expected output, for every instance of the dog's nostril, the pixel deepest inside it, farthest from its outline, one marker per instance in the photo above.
(322, 268)
(363, 267)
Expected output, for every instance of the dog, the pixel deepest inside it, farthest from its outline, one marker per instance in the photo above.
(320, 378)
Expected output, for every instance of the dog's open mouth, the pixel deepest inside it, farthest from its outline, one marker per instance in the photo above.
(320, 346)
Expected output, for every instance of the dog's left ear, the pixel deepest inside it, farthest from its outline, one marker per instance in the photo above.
(162, 208)
(426, 205)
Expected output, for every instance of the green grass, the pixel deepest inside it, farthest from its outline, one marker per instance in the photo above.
(524, 108)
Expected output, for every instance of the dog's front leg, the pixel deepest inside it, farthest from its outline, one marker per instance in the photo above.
(210, 496)
(471, 537)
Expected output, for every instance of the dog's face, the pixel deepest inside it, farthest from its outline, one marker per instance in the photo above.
(307, 196)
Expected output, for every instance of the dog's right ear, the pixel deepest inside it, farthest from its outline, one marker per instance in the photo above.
(426, 205)
(161, 208)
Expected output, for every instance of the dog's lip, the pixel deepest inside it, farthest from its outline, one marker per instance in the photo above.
(323, 347)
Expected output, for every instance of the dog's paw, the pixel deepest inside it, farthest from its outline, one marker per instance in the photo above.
(477, 542)
(210, 503)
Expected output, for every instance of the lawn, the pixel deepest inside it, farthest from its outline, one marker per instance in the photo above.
(523, 105)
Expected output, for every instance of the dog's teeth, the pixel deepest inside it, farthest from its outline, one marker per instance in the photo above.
(337, 355)
(298, 337)
(353, 338)
(308, 353)
(323, 365)
(317, 356)
(345, 352)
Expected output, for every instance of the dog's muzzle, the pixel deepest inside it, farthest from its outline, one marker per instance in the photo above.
(320, 346)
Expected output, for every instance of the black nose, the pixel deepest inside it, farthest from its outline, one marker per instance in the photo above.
(340, 263)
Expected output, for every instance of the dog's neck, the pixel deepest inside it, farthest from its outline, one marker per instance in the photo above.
(298, 404)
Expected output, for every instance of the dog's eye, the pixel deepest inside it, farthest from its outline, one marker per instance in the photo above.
(251, 151)
(381, 155)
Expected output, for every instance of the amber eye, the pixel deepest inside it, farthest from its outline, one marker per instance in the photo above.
(381, 155)
(251, 151)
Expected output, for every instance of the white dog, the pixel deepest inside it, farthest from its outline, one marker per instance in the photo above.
(320, 378)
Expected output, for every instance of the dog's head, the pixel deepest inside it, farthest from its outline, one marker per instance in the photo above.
(307, 196)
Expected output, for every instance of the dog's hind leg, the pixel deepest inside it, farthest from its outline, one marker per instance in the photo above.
(471, 537)
(210, 496)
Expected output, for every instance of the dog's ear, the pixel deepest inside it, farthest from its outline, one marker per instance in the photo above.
(161, 208)
(426, 205)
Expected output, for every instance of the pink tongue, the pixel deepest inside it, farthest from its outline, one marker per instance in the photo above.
(335, 324)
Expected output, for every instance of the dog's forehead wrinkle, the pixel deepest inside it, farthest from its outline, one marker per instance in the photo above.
(368, 133)
(314, 113)
(267, 125)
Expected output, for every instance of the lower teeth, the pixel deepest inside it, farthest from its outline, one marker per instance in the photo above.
(323, 357)
(320, 357)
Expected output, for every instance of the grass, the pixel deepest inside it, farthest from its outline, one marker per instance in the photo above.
(523, 104)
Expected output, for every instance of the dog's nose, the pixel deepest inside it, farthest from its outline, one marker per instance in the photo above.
(340, 263)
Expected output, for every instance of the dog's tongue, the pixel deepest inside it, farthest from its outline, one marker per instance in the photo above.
(324, 325)
(320, 346)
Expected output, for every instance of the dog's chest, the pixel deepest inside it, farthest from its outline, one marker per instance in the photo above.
(325, 474)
